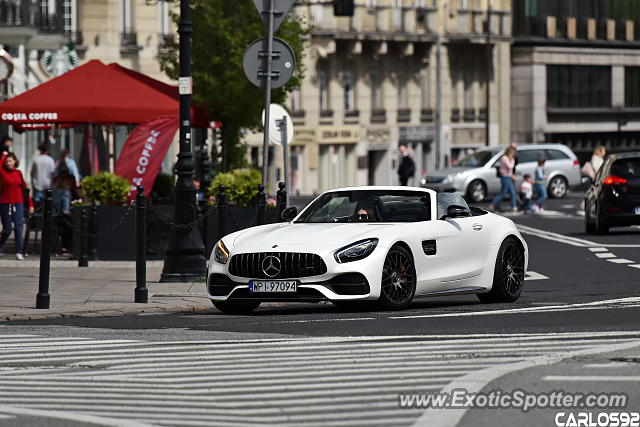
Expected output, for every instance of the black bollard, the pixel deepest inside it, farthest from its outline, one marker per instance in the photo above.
(281, 201)
(222, 211)
(93, 229)
(83, 259)
(43, 298)
(141, 293)
(262, 206)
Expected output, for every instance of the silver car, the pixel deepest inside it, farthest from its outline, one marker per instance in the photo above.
(475, 176)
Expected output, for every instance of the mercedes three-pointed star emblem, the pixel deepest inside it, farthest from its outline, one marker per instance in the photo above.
(271, 265)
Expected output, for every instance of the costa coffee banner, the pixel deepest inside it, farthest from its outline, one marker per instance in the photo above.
(144, 151)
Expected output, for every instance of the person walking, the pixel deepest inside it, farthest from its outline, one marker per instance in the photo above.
(538, 185)
(506, 170)
(12, 201)
(42, 172)
(66, 165)
(407, 166)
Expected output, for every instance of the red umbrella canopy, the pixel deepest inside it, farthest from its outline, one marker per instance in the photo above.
(91, 93)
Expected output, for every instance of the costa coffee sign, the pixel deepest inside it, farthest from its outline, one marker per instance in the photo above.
(28, 117)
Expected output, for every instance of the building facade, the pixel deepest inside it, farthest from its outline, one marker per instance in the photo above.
(398, 71)
(576, 73)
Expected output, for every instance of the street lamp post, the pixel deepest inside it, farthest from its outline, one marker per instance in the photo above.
(489, 60)
(184, 259)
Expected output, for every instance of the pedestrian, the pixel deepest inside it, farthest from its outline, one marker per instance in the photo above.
(591, 167)
(12, 200)
(507, 177)
(42, 172)
(5, 144)
(538, 185)
(407, 166)
(527, 193)
(66, 165)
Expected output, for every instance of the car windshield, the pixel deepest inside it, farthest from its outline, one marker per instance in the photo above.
(628, 168)
(477, 159)
(369, 206)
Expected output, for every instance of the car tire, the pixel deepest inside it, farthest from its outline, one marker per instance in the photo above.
(398, 283)
(236, 307)
(601, 225)
(476, 191)
(589, 227)
(558, 187)
(508, 274)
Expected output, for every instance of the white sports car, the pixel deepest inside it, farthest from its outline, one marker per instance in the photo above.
(382, 244)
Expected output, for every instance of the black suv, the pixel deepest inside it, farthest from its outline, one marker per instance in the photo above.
(613, 199)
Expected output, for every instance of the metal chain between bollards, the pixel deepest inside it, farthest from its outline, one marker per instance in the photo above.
(185, 227)
(110, 230)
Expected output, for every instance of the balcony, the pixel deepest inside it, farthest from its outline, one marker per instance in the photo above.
(426, 115)
(472, 24)
(129, 42)
(378, 116)
(404, 115)
(39, 25)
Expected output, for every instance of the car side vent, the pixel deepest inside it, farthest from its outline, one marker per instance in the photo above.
(429, 247)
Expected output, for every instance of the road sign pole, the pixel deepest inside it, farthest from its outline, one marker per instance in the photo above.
(267, 96)
(285, 147)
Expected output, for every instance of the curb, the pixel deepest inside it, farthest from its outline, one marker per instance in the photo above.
(102, 313)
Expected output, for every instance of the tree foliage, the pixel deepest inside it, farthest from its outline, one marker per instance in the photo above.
(222, 31)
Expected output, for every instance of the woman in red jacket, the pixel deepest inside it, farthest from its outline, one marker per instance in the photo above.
(12, 201)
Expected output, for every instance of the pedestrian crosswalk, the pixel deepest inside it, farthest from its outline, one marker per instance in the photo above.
(301, 381)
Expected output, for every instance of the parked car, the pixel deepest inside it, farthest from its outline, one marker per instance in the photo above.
(613, 198)
(370, 244)
(475, 176)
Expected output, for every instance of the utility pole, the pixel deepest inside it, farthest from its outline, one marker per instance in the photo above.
(438, 132)
(184, 259)
(489, 61)
(267, 97)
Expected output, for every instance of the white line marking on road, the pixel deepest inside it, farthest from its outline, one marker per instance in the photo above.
(598, 249)
(72, 416)
(635, 265)
(608, 378)
(606, 255)
(476, 381)
(608, 365)
(620, 261)
(532, 275)
(574, 241)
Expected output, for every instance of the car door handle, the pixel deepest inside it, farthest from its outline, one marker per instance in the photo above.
(477, 227)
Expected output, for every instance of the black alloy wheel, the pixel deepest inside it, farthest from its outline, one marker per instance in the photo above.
(398, 279)
(476, 191)
(236, 307)
(508, 276)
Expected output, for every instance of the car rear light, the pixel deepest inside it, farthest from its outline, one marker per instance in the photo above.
(576, 162)
(613, 209)
(614, 180)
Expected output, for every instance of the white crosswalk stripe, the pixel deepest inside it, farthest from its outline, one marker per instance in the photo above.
(350, 381)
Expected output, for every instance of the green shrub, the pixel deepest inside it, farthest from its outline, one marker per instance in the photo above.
(241, 186)
(163, 187)
(106, 188)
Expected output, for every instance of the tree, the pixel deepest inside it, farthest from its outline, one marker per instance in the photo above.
(222, 31)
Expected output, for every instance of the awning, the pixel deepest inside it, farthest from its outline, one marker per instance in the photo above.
(93, 93)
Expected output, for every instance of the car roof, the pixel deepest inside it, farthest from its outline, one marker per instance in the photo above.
(625, 155)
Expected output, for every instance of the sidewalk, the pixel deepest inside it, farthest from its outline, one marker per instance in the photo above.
(104, 289)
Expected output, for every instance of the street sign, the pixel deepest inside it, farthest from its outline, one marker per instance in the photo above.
(255, 63)
(276, 114)
(281, 8)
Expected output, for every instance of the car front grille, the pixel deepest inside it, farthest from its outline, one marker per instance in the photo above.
(292, 265)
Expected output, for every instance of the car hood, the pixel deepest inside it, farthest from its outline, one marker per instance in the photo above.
(296, 234)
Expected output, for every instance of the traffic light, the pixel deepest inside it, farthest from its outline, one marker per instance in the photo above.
(343, 7)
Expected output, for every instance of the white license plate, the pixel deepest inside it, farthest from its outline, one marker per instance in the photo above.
(638, 210)
(279, 286)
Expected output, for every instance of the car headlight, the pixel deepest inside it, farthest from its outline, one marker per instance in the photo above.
(221, 253)
(356, 251)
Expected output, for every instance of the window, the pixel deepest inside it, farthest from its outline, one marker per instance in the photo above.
(627, 168)
(556, 155)
(578, 86)
(529, 156)
(632, 86)
(376, 92)
(163, 17)
(323, 85)
(468, 87)
(125, 16)
(295, 100)
(445, 200)
(348, 89)
(425, 95)
(402, 91)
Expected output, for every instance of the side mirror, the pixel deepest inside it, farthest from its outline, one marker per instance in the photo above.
(586, 180)
(456, 211)
(289, 213)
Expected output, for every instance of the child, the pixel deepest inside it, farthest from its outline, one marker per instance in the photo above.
(527, 193)
(539, 185)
